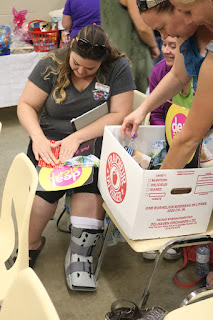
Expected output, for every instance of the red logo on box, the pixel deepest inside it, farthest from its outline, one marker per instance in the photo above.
(116, 177)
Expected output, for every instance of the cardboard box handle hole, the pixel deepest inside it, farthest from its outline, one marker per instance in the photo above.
(181, 190)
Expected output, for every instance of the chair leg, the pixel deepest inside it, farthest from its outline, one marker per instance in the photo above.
(196, 294)
(146, 292)
(193, 240)
(9, 263)
(68, 209)
(103, 248)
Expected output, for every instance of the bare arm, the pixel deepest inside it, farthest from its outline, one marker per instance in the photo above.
(120, 105)
(198, 122)
(168, 87)
(145, 33)
(30, 103)
(67, 22)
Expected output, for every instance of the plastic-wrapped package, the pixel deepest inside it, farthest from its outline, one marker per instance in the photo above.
(65, 38)
(5, 40)
(142, 159)
(158, 154)
(56, 16)
(19, 46)
(83, 161)
(20, 25)
(20, 37)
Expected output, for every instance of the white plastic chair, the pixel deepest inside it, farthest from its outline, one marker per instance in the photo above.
(28, 299)
(18, 196)
(139, 97)
(196, 311)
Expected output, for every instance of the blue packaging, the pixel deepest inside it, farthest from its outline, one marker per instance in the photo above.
(5, 40)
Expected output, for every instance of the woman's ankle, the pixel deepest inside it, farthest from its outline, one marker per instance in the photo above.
(35, 244)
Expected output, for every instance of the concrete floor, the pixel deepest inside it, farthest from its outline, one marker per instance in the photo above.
(124, 273)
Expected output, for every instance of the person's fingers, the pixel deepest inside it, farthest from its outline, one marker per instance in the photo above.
(134, 130)
(123, 131)
(65, 154)
(53, 159)
(36, 156)
(63, 158)
(129, 132)
(126, 128)
(56, 144)
(47, 159)
(44, 151)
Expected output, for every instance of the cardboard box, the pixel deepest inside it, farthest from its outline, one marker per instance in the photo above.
(144, 202)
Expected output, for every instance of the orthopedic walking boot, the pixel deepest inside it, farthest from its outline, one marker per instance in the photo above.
(79, 259)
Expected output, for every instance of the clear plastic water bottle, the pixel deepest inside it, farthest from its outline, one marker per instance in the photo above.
(202, 260)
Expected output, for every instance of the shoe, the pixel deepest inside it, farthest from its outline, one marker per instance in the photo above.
(149, 255)
(33, 254)
(171, 254)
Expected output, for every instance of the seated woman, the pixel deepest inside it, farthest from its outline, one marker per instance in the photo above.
(183, 98)
(67, 83)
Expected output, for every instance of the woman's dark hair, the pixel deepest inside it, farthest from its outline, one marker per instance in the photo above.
(95, 36)
(164, 7)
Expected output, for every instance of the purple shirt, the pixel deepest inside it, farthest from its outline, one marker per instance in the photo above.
(83, 13)
(157, 116)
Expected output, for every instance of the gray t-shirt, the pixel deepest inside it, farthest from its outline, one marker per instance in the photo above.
(209, 47)
(55, 120)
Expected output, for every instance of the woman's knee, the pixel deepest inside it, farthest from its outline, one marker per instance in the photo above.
(87, 205)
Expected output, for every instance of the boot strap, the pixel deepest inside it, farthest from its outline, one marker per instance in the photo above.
(79, 266)
(82, 251)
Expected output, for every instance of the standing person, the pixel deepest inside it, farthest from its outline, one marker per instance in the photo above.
(132, 36)
(80, 13)
(188, 63)
(201, 13)
(197, 11)
(68, 83)
(191, 61)
(157, 117)
(183, 98)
